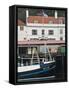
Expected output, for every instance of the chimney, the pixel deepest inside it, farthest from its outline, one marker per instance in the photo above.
(56, 15)
(27, 14)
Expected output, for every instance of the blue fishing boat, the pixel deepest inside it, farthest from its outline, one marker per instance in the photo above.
(37, 67)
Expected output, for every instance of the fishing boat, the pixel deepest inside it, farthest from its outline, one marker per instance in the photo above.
(36, 67)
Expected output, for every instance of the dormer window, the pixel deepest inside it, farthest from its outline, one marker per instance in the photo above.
(60, 21)
(50, 22)
(35, 21)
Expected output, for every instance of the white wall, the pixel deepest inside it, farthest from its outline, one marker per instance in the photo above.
(21, 34)
(55, 27)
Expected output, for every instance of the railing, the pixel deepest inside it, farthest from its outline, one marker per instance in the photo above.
(27, 61)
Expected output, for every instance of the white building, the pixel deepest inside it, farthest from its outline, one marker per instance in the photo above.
(42, 27)
(41, 30)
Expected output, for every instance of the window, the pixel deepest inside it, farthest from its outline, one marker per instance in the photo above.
(61, 38)
(43, 32)
(34, 32)
(50, 32)
(61, 31)
(21, 27)
(22, 50)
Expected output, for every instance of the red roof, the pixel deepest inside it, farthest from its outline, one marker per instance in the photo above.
(40, 42)
(20, 22)
(44, 19)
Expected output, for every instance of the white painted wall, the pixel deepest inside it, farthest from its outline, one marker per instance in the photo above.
(21, 34)
(27, 32)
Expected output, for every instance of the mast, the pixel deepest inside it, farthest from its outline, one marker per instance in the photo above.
(35, 52)
(48, 52)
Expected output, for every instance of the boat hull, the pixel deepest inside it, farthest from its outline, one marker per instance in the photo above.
(45, 70)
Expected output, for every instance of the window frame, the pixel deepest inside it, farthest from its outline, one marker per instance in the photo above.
(49, 32)
(43, 32)
(61, 31)
(34, 32)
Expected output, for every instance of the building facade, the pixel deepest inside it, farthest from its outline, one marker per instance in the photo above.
(42, 27)
(41, 30)
(38, 34)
